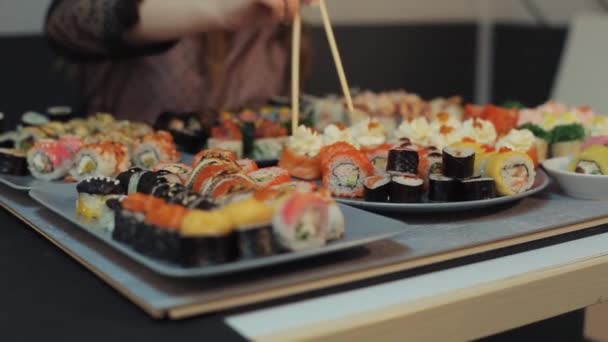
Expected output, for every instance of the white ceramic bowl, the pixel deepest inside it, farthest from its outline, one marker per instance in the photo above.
(594, 187)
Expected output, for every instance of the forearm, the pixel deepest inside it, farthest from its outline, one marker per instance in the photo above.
(162, 20)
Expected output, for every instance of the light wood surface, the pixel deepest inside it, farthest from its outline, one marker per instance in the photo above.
(295, 71)
(473, 312)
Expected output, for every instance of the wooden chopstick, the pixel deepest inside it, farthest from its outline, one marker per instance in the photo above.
(336, 54)
(295, 72)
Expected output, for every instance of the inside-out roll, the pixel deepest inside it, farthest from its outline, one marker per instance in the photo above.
(513, 172)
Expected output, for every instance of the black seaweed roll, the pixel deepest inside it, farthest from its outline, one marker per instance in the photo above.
(207, 238)
(458, 162)
(129, 179)
(406, 189)
(148, 181)
(376, 188)
(478, 189)
(403, 160)
(186, 129)
(443, 189)
(13, 162)
(59, 113)
(436, 163)
(255, 241)
(167, 191)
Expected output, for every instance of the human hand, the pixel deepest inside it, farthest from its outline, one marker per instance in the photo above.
(263, 12)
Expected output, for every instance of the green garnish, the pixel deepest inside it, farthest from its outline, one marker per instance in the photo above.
(565, 133)
(513, 105)
(538, 131)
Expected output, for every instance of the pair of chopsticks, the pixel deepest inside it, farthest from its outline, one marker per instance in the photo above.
(295, 64)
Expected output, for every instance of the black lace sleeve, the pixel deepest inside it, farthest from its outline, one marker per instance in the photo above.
(86, 30)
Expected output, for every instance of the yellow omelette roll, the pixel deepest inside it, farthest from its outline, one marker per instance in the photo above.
(513, 172)
(592, 161)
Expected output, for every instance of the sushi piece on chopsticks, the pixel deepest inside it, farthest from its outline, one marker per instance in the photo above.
(104, 159)
(301, 222)
(93, 193)
(513, 172)
(301, 154)
(155, 148)
(270, 176)
(13, 162)
(345, 172)
(49, 160)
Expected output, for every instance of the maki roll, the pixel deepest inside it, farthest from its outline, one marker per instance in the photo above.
(167, 191)
(59, 113)
(270, 140)
(459, 162)
(345, 172)
(513, 172)
(49, 160)
(128, 216)
(301, 222)
(13, 162)
(103, 159)
(162, 239)
(155, 148)
(378, 156)
(148, 180)
(406, 189)
(182, 171)
(443, 189)
(376, 188)
(93, 193)
(213, 156)
(27, 137)
(33, 119)
(186, 129)
(478, 189)
(402, 160)
(247, 165)
(252, 220)
(270, 176)
(222, 186)
(129, 180)
(144, 233)
(207, 238)
(592, 161)
(192, 200)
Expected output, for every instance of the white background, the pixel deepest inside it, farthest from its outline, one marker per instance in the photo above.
(26, 16)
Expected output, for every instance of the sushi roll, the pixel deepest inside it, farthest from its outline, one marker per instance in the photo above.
(235, 146)
(144, 232)
(213, 156)
(301, 221)
(33, 119)
(252, 220)
(167, 191)
(13, 162)
(459, 162)
(59, 113)
(378, 156)
(186, 129)
(129, 180)
(337, 223)
(513, 172)
(376, 188)
(402, 160)
(443, 189)
(104, 159)
(93, 193)
(406, 189)
(592, 161)
(163, 240)
(53, 129)
(344, 174)
(155, 148)
(207, 238)
(148, 180)
(27, 137)
(127, 216)
(270, 176)
(247, 165)
(268, 148)
(49, 160)
(7, 140)
(478, 189)
(72, 142)
(226, 185)
(182, 171)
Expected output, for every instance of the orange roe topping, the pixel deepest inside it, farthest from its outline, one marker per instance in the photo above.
(477, 124)
(488, 148)
(167, 216)
(135, 202)
(446, 129)
(504, 150)
(443, 117)
(468, 140)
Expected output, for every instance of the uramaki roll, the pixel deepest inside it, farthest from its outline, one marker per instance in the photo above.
(513, 172)
(300, 166)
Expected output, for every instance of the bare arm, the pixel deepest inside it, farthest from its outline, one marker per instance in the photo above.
(122, 28)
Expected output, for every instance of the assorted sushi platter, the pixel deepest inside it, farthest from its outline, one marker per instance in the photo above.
(215, 218)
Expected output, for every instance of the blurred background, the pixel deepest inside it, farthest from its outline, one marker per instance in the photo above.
(483, 50)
